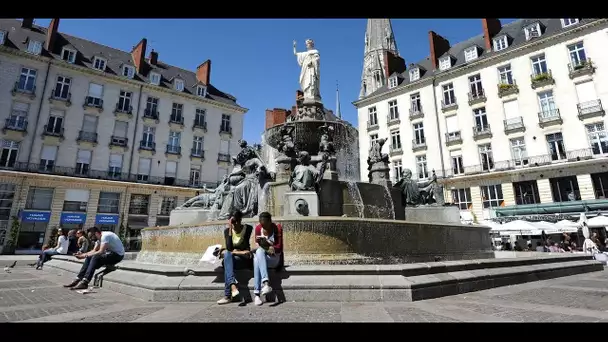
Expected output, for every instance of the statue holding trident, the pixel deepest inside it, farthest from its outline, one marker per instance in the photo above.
(310, 76)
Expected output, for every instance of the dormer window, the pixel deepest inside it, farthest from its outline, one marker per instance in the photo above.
(414, 74)
(201, 91)
(532, 31)
(392, 82)
(569, 22)
(68, 55)
(178, 84)
(445, 63)
(34, 47)
(471, 53)
(155, 78)
(128, 71)
(2, 37)
(99, 63)
(501, 43)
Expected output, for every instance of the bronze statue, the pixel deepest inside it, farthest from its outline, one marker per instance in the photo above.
(420, 193)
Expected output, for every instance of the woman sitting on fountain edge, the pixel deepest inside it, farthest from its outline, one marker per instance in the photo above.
(237, 254)
(268, 254)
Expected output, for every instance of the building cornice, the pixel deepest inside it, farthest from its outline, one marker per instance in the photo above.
(121, 80)
(491, 59)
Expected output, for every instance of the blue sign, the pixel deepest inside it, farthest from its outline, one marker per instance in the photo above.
(35, 216)
(106, 219)
(73, 218)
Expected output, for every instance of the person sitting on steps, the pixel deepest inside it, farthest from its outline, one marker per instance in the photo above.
(237, 254)
(83, 241)
(61, 248)
(108, 252)
(268, 254)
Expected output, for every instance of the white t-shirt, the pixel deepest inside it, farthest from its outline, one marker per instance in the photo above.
(62, 245)
(113, 243)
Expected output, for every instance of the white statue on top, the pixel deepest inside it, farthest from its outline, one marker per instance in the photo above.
(310, 76)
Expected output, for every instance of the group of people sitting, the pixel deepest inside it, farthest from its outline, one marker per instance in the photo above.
(67, 243)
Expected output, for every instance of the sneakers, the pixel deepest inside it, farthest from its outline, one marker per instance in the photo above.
(258, 301)
(224, 300)
(266, 289)
(82, 285)
(72, 284)
(235, 293)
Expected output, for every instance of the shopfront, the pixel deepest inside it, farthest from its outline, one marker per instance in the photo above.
(107, 222)
(34, 225)
(71, 221)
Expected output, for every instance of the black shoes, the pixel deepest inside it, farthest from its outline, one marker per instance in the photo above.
(72, 284)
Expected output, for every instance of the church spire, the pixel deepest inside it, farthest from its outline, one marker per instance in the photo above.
(338, 112)
(379, 36)
(379, 39)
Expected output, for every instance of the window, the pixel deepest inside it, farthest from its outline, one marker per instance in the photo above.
(555, 142)
(372, 139)
(2, 37)
(76, 200)
(27, 80)
(99, 63)
(174, 142)
(179, 85)
(421, 168)
(395, 140)
(565, 189)
(470, 53)
(148, 137)
(569, 22)
(68, 55)
(124, 102)
(199, 118)
(452, 127)
(491, 196)
(225, 126)
(195, 177)
(197, 146)
(128, 71)
(448, 95)
(39, 198)
(457, 166)
(393, 110)
(152, 106)
(546, 102)
(83, 162)
(416, 104)
(47, 158)
(18, 117)
(532, 31)
(378, 78)
(170, 172)
(176, 112)
(168, 204)
(10, 150)
(155, 78)
(143, 170)
(62, 88)
(34, 47)
(462, 198)
(599, 180)
(486, 157)
(225, 147)
(55, 123)
(526, 192)
(115, 165)
(109, 203)
(397, 170)
(392, 82)
(419, 134)
(414, 74)
(475, 86)
(481, 119)
(201, 91)
(7, 194)
(577, 54)
(95, 95)
(505, 76)
(120, 132)
(539, 65)
(597, 138)
(445, 63)
(501, 43)
(518, 151)
(139, 204)
(372, 116)
(89, 123)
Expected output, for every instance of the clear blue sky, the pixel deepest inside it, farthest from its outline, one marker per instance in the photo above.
(253, 59)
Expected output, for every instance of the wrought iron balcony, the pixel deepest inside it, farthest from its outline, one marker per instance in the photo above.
(506, 89)
(482, 132)
(513, 125)
(123, 109)
(372, 126)
(225, 129)
(477, 97)
(453, 138)
(84, 136)
(200, 125)
(549, 118)
(541, 79)
(147, 145)
(15, 123)
(20, 88)
(419, 144)
(447, 106)
(223, 157)
(58, 95)
(393, 120)
(151, 114)
(416, 113)
(173, 149)
(52, 131)
(93, 102)
(176, 119)
(118, 141)
(581, 68)
(395, 149)
(197, 153)
(590, 109)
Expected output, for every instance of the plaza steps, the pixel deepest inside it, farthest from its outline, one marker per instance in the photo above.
(338, 283)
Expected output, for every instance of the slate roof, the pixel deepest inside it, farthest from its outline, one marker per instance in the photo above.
(517, 38)
(17, 37)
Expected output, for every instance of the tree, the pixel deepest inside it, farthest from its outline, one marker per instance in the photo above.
(13, 235)
(122, 232)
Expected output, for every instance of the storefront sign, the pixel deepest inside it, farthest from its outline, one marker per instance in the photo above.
(106, 219)
(538, 217)
(35, 216)
(73, 218)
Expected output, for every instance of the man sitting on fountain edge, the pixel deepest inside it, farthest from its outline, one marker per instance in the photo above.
(268, 254)
(108, 252)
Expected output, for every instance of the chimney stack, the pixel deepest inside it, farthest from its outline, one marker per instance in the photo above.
(139, 55)
(393, 63)
(276, 116)
(51, 35)
(27, 23)
(491, 27)
(153, 57)
(439, 46)
(203, 72)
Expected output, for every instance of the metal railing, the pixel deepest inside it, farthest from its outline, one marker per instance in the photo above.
(147, 145)
(199, 153)
(549, 116)
(223, 157)
(56, 95)
(150, 114)
(199, 124)
(224, 129)
(93, 102)
(589, 107)
(477, 96)
(448, 105)
(481, 130)
(87, 136)
(513, 123)
(119, 141)
(22, 88)
(453, 137)
(177, 119)
(124, 109)
(173, 149)
(14, 124)
(416, 112)
(52, 131)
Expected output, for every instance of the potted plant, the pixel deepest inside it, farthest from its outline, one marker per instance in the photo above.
(505, 86)
(13, 235)
(581, 65)
(542, 77)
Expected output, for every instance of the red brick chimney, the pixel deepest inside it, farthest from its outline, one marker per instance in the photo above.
(393, 63)
(27, 22)
(439, 46)
(276, 116)
(139, 55)
(153, 57)
(203, 72)
(491, 27)
(51, 34)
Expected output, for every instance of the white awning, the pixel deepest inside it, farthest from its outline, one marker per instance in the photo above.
(519, 227)
(598, 221)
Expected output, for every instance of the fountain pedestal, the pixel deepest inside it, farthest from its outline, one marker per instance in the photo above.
(379, 174)
(302, 203)
(433, 214)
(284, 168)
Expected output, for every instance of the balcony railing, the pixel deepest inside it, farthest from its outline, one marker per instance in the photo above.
(105, 175)
(395, 149)
(200, 124)
(87, 137)
(176, 119)
(16, 124)
(93, 102)
(118, 141)
(514, 124)
(393, 120)
(52, 131)
(372, 125)
(506, 89)
(482, 131)
(223, 157)
(197, 153)
(453, 138)
(123, 109)
(225, 129)
(58, 96)
(447, 106)
(150, 114)
(590, 109)
(147, 145)
(17, 89)
(477, 97)
(549, 118)
(173, 149)
(581, 68)
(541, 79)
(418, 144)
(416, 113)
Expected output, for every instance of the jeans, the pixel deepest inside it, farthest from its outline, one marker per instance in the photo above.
(96, 261)
(261, 263)
(232, 262)
(46, 256)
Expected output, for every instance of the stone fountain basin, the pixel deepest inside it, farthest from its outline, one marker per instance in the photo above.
(329, 240)
(306, 135)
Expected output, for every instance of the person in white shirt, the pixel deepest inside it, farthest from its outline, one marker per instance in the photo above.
(61, 248)
(108, 252)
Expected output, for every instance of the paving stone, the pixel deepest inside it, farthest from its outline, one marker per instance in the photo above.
(519, 315)
(412, 314)
(33, 313)
(16, 276)
(22, 284)
(549, 296)
(287, 312)
(37, 296)
(122, 316)
(591, 283)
